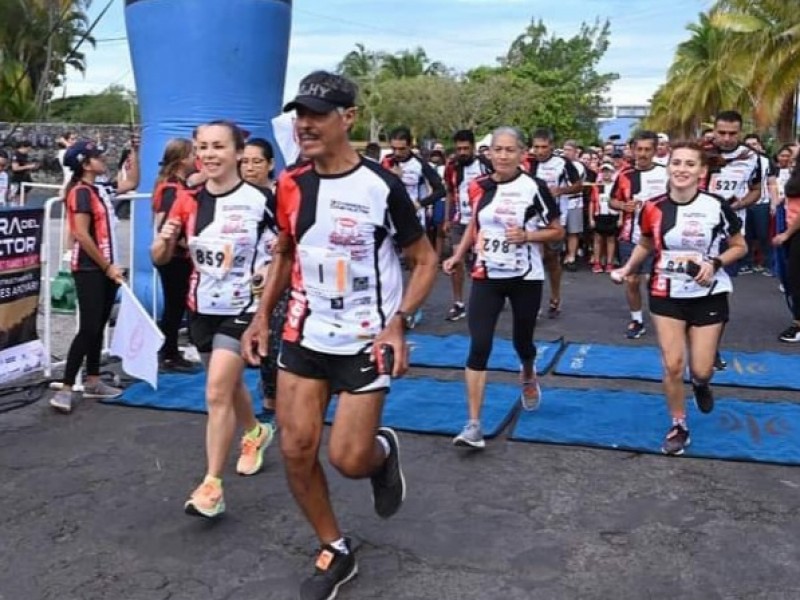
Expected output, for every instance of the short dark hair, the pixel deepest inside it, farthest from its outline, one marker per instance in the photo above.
(707, 130)
(543, 134)
(645, 135)
(729, 116)
(266, 148)
(753, 136)
(401, 134)
(464, 135)
(373, 150)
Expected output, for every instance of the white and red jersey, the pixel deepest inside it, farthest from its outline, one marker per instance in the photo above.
(740, 173)
(641, 186)
(346, 279)
(229, 238)
(457, 178)
(524, 202)
(683, 234)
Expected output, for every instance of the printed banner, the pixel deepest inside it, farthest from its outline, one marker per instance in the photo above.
(21, 352)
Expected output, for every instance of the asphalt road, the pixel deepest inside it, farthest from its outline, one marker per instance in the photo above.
(91, 504)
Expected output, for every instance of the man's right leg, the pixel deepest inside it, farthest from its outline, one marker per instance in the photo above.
(301, 405)
(552, 265)
(458, 310)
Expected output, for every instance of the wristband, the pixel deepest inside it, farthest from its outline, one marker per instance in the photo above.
(716, 262)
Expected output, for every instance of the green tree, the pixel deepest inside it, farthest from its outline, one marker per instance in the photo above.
(704, 78)
(764, 36)
(564, 68)
(37, 41)
(112, 105)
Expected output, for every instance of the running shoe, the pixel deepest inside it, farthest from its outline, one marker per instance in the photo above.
(635, 330)
(597, 267)
(251, 458)
(790, 335)
(206, 501)
(745, 270)
(470, 437)
(703, 397)
(677, 440)
(458, 312)
(331, 571)
(178, 364)
(554, 309)
(531, 395)
(767, 273)
(571, 266)
(720, 364)
(101, 390)
(389, 485)
(62, 401)
(609, 267)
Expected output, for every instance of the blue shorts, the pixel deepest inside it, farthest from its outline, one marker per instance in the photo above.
(625, 251)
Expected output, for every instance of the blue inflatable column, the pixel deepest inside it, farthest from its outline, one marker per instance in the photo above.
(195, 61)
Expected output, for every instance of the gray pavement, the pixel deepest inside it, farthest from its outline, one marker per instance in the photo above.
(91, 504)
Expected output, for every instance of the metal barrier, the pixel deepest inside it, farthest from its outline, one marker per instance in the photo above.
(30, 185)
(48, 275)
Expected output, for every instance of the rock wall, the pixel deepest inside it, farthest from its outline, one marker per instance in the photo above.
(43, 136)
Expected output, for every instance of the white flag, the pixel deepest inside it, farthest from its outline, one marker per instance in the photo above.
(136, 339)
(283, 130)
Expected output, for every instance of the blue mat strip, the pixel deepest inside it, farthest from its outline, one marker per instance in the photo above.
(181, 392)
(421, 405)
(621, 420)
(450, 352)
(763, 370)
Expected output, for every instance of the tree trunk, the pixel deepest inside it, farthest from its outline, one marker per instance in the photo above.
(787, 119)
(43, 87)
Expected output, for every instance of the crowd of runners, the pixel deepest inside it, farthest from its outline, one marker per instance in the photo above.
(316, 276)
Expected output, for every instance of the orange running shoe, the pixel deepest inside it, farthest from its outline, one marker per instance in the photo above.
(206, 501)
(252, 457)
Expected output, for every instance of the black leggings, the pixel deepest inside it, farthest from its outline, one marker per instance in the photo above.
(96, 295)
(485, 303)
(175, 282)
(793, 270)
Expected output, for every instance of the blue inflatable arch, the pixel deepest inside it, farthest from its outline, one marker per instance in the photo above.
(195, 61)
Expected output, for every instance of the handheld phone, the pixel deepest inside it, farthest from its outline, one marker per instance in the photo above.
(385, 359)
(692, 269)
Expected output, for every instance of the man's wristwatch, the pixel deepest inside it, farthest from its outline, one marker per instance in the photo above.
(716, 262)
(406, 318)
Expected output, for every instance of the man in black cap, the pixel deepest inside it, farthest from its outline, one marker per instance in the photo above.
(340, 217)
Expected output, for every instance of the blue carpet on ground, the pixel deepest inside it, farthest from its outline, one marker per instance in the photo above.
(451, 351)
(766, 370)
(184, 392)
(623, 420)
(421, 405)
(425, 405)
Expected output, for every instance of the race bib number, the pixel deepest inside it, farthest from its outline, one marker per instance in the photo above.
(326, 273)
(211, 256)
(495, 251)
(677, 264)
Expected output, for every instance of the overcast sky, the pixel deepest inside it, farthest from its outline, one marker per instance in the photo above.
(460, 33)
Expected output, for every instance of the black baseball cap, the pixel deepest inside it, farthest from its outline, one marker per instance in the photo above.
(322, 92)
(81, 150)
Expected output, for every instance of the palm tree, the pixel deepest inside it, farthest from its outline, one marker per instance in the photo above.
(411, 63)
(364, 67)
(704, 78)
(767, 34)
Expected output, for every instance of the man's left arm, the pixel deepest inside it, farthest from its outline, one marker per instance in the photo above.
(435, 185)
(754, 193)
